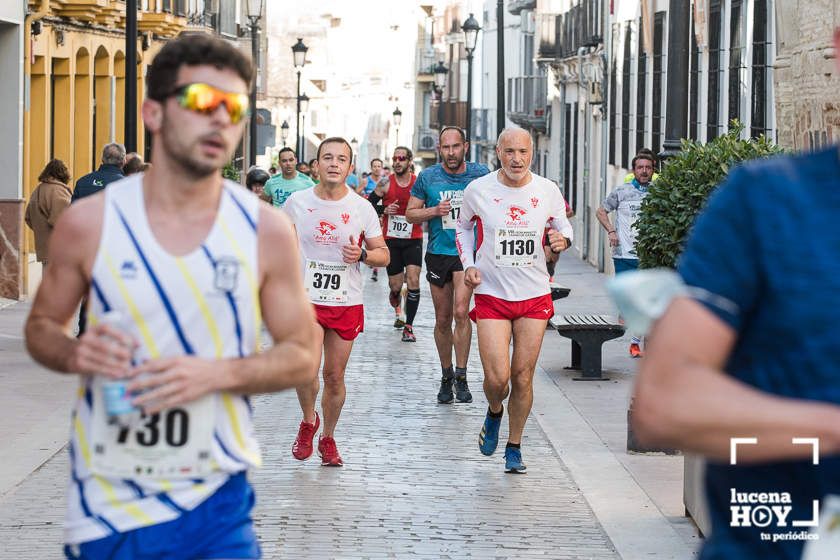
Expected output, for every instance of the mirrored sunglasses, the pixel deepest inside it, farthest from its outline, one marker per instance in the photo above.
(205, 99)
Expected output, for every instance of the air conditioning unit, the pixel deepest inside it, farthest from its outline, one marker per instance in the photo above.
(427, 141)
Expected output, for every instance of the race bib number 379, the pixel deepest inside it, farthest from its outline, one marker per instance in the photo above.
(326, 282)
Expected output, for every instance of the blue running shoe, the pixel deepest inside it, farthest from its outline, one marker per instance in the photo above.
(513, 461)
(488, 438)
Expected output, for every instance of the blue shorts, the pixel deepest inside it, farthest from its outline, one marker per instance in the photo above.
(625, 265)
(219, 527)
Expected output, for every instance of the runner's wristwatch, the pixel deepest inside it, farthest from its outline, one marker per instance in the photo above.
(363, 256)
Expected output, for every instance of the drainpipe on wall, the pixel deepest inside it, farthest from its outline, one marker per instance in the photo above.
(586, 133)
(605, 124)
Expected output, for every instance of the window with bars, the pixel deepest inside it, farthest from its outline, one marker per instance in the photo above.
(736, 59)
(656, 114)
(575, 139)
(227, 18)
(613, 85)
(641, 90)
(713, 126)
(760, 116)
(625, 100)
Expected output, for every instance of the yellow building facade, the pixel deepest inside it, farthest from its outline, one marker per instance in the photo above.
(75, 69)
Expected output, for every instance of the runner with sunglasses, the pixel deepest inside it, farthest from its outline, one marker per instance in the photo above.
(193, 265)
(436, 198)
(404, 240)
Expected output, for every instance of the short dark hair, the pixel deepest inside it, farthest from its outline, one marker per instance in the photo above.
(286, 149)
(450, 127)
(55, 169)
(643, 155)
(407, 151)
(377, 159)
(334, 140)
(194, 49)
(311, 160)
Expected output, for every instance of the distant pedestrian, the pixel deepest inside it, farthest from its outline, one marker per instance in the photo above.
(289, 180)
(113, 159)
(255, 180)
(133, 164)
(648, 152)
(626, 201)
(49, 199)
(303, 168)
(313, 171)
(272, 171)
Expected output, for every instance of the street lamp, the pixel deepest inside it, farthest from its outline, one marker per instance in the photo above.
(397, 120)
(440, 71)
(299, 56)
(254, 13)
(284, 132)
(470, 29)
(303, 105)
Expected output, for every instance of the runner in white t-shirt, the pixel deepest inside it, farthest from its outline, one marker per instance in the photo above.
(332, 222)
(508, 211)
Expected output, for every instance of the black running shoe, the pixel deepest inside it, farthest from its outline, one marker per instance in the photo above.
(462, 390)
(445, 395)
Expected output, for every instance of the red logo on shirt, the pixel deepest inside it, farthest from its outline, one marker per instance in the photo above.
(325, 233)
(535, 202)
(345, 217)
(515, 213)
(325, 228)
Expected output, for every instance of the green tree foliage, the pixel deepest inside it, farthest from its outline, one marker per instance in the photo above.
(230, 171)
(682, 189)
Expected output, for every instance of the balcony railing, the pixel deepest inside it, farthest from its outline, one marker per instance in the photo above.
(425, 60)
(528, 101)
(448, 113)
(579, 27)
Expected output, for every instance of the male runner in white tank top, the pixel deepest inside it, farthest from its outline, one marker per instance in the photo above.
(509, 211)
(194, 264)
(332, 223)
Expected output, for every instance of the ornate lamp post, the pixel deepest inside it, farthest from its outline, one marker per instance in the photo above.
(470, 29)
(440, 71)
(397, 114)
(284, 132)
(254, 14)
(303, 107)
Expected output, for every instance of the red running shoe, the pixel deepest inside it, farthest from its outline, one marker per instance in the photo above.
(302, 447)
(329, 452)
(635, 351)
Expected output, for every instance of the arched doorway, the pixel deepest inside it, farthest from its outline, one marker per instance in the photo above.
(82, 115)
(103, 104)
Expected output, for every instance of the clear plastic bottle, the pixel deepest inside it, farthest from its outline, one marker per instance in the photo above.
(115, 395)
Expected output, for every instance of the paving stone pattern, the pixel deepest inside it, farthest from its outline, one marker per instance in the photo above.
(414, 484)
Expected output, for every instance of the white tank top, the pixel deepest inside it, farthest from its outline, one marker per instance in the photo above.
(203, 304)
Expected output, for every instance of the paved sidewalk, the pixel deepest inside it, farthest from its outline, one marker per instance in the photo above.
(414, 483)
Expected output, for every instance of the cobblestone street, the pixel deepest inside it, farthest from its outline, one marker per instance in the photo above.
(414, 483)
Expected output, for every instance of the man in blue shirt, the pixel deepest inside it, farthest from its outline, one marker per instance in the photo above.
(289, 180)
(436, 197)
(113, 159)
(755, 359)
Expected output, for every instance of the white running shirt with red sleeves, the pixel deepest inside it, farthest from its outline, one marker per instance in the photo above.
(323, 228)
(510, 225)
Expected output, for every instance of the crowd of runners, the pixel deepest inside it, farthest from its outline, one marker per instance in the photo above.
(195, 266)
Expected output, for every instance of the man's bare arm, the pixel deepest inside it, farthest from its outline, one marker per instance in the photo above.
(684, 399)
(416, 213)
(604, 219)
(378, 253)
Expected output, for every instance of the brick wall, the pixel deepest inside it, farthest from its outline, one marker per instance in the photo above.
(807, 82)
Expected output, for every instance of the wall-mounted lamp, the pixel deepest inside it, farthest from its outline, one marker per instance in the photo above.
(59, 37)
(35, 27)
